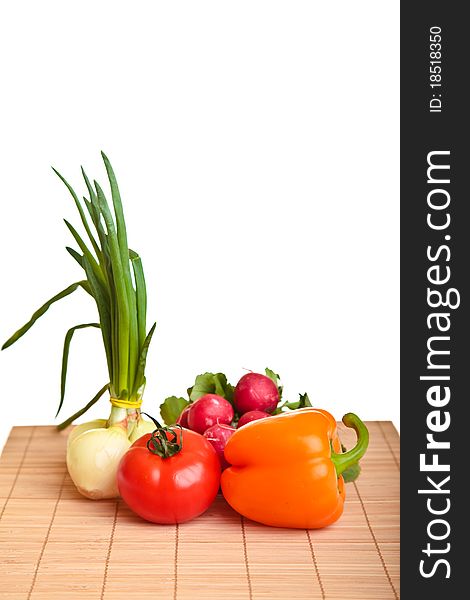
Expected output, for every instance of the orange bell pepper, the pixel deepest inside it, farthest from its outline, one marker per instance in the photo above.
(286, 469)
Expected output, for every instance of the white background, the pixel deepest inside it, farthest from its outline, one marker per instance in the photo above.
(256, 146)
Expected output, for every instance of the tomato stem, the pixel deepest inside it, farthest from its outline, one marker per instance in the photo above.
(164, 440)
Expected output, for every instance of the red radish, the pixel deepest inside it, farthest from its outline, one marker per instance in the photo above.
(183, 418)
(255, 392)
(218, 436)
(252, 415)
(209, 410)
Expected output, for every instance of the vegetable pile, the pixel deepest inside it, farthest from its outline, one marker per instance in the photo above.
(115, 280)
(280, 463)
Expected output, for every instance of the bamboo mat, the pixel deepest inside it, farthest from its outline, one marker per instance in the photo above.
(56, 545)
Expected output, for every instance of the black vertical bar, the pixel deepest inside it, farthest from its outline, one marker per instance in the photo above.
(422, 132)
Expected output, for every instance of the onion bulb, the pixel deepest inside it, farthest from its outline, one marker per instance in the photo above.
(141, 428)
(78, 429)
(93, 457)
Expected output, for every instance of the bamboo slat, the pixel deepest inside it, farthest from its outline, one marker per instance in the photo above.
(57, 545)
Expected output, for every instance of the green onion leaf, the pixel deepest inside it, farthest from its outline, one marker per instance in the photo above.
(86, 252)
(103, 310)
(83, 410)
(86, 286)
(65, 358)
(118, 211)
(134, 347)
(139, 378)
(80, 210)
(141, 295)
(121, 320)
(69, 290)
(76, 255)
(94, 210)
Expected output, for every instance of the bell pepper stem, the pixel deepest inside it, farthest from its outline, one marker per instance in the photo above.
(351, 457)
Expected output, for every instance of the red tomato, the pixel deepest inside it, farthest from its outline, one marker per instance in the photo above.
(174, 489)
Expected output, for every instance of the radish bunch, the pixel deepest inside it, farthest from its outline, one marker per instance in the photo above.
(215, 408)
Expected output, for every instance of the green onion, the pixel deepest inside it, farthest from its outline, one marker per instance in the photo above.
(115, 279)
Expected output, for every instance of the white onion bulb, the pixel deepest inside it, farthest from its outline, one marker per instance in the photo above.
(142, 427)
(78, 429)
(93, 457)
